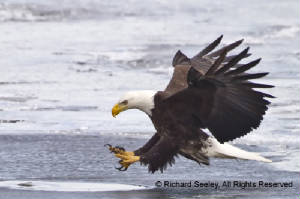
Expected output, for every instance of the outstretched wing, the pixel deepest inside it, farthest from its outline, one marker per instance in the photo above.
(202, 61)
(222, 99)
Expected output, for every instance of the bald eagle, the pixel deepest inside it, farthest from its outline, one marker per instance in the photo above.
(209, 91)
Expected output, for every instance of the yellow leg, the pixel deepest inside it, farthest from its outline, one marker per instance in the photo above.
(127, 157)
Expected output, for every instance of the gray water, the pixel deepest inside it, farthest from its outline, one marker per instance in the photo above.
(64, 64)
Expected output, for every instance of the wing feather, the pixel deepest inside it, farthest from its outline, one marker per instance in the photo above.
(226, 48)
(243, 68)
(233, 61)
(209, 48)
(232, 56)
(222, 99)
(202, 62)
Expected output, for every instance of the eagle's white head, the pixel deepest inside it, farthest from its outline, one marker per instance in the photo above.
(142, 100)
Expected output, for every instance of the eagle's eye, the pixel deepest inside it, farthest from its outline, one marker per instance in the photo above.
(125, 102)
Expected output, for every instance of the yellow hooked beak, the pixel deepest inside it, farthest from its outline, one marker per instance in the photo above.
(117, 109)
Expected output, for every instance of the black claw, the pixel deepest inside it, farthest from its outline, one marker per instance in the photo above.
(121, 168)
(124, 169)
(109, 145)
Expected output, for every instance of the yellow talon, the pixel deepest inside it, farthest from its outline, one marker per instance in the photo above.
(126, 161)
(121, 156)
(127, 157)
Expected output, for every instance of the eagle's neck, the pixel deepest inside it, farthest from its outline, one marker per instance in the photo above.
(144, 101)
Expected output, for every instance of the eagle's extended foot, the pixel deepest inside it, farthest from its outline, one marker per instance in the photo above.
(127, 157)
(126, 161)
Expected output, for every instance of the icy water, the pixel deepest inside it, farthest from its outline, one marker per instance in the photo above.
(64, 64)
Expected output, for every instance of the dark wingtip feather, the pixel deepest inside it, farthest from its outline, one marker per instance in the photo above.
(256, 85)
(268, 95)
(227, 59)
(237, 43)
(258, 60)
(227, 48)
(249, 76)
(209, 48)
(243, 68)
(240, 41)
(246, 50)
(218, 40)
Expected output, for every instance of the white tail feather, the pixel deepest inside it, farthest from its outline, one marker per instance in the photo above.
(225, 150)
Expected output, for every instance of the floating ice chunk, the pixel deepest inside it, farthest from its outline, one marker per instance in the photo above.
(68, 186)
